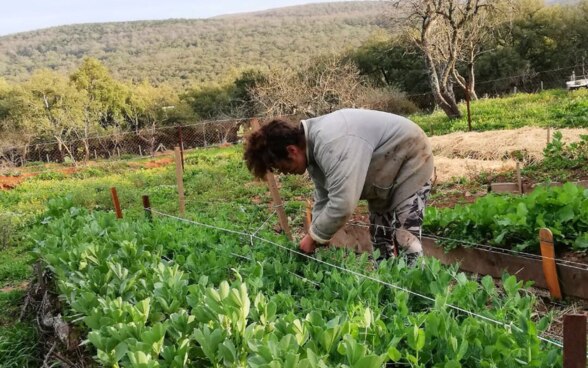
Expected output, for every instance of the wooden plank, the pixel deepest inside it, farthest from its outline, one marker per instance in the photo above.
(491, 262)
(548, 262)
(514, 187)
(483, 262)
(572, 278)
(574, 354)
(504, 187)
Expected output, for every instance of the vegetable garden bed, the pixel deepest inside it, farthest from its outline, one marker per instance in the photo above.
(178, 293)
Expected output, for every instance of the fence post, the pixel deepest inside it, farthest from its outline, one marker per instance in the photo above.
(117, 209)
(467, 93)
(271, 183)
(180, 181)
(574, 354)
(181, 144)
(548, 261)
(147, 208)
(204, 133)
(519, 178)
(541, 85)
(140, 151)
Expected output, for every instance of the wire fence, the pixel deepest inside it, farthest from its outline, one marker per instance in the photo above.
(147, 142)
(253, 236)
(527, 82)
(80, 147)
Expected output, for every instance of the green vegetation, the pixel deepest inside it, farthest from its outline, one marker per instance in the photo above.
(171, 294)
(184, 52)
(18, 340)
(561, 161)
(553, 108)
(514, 221)
(214, 197)
(208, 307)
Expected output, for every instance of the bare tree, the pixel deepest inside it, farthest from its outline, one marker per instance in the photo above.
(316, 88)
(448, 32)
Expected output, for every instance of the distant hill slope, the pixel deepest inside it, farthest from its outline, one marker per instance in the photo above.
(183, 51)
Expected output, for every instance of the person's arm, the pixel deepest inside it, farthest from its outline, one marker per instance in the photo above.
(345, 162)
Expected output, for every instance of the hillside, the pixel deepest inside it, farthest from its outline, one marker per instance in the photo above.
(183, 51)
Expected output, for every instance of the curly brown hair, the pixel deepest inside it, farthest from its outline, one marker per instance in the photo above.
(267, 146)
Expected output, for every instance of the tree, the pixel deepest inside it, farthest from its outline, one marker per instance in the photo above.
(320, 86)
(394, 63)
(447, 31)
(103, 100)
(53, 105)
(149, 107)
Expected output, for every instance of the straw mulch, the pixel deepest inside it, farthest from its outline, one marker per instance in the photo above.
(526, 143)
(451, 169)
(466, 155)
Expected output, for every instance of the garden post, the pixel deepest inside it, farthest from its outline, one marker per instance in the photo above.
(117, 209)
(574, 354)
(147, 208)
(549, 266)
(180, 181)
(279, 205)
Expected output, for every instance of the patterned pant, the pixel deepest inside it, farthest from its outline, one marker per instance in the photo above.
(397, 228)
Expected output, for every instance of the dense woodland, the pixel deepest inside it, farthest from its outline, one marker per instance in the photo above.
(76, 82)
(182, 52)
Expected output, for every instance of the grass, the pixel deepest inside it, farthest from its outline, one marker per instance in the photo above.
(18, 340)
(216, 181)
(551, 108)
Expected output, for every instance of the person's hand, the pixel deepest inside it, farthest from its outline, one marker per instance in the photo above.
(307, 244)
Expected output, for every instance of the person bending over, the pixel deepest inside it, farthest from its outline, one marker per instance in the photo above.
(353, 154)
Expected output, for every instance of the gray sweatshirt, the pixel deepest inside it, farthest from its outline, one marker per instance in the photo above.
(357, 154)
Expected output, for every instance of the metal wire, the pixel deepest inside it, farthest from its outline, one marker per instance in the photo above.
(343, 269)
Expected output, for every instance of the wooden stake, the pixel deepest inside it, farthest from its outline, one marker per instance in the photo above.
(278, 204)
(574, 354)
(180, 181)
(181, 144)
(308, 216)
(277, 200)
(117, 209)
(519, 179)
(467, 95)
(147, 208)
(549, 267)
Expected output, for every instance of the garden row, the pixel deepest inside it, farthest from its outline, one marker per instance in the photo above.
(171, 294)
(514, 221)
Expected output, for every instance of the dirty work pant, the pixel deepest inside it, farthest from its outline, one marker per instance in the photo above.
(400, 225)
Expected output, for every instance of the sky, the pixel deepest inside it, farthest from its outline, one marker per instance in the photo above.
(28, 15)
